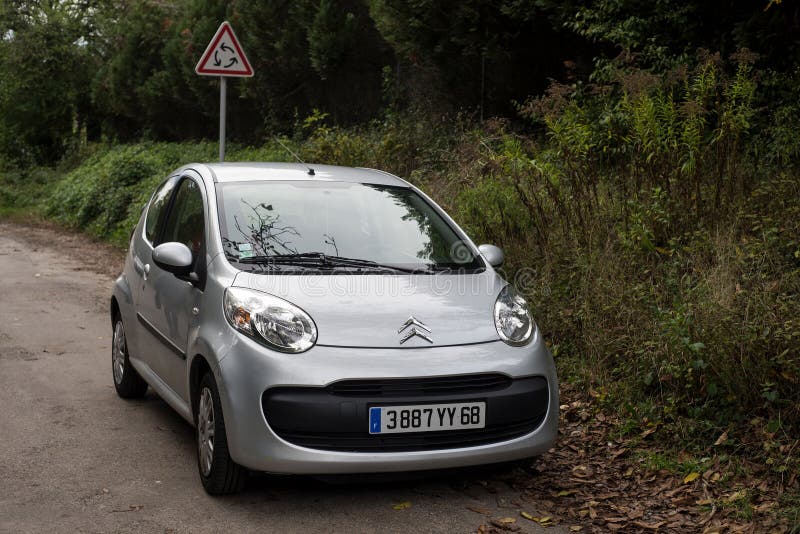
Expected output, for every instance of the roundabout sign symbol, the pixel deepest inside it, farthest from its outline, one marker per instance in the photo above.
(224, 56)
(225, 48)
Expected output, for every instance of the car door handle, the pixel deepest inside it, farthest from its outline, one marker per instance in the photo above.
(146, 270)
(138, 266)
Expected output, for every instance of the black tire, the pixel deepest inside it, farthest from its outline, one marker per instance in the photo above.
(127, 382)
(223, 476)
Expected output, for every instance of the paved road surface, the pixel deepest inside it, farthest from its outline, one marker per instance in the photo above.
(75, 457)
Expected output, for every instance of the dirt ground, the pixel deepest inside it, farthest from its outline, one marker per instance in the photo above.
(75, 457)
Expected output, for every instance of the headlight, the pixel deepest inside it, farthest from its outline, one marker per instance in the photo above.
(274, 322)
(512, 318)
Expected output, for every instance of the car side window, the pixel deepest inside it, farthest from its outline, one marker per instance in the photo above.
(156, 209)
(186, 221)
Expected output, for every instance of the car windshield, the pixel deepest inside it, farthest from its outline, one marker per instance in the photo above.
(342, 224)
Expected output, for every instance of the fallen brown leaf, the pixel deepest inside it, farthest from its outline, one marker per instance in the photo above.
(763, 507)
(635, 514)
(734, 496)
(505, 526)
(628, 472)
(649, 526)
(648, 431)
(565, 493)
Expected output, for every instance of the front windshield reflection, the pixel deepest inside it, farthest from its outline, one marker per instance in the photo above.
(377, 223)
(260, 228)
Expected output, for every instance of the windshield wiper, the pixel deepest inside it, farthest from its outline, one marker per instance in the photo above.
(321, 260)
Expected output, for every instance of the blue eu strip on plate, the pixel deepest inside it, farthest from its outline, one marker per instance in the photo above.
(374, 420)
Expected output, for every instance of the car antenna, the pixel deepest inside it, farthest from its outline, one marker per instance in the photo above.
(290, 151)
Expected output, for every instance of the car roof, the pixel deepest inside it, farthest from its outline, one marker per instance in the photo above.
(248, 171)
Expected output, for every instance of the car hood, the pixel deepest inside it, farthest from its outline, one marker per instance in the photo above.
(372, 310)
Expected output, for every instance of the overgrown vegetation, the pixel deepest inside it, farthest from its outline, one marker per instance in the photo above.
(121, 70)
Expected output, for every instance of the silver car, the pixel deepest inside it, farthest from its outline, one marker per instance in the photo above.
(326, 320)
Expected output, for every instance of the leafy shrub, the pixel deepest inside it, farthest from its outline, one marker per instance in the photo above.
(106, 193)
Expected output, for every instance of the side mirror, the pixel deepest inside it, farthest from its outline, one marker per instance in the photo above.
(174, 257)
(494, 255)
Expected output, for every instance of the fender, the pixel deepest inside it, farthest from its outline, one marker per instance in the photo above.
(122, 292)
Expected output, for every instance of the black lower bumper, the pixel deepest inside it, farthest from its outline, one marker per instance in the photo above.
(336, 417)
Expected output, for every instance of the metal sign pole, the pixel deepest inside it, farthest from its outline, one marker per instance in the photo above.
(223, 57)
(223, 89)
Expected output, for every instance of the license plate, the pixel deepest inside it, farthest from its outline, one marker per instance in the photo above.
(426, 417)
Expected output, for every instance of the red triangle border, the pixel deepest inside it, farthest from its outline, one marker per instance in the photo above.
(224, 28)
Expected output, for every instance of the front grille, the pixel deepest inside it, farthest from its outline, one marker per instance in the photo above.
(445, 385)
(447, 439)
(335, 417)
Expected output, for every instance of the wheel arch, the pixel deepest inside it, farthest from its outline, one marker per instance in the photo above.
(198, 367)
(114, 310)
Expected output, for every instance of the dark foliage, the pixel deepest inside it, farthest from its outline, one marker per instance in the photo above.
(124, 69)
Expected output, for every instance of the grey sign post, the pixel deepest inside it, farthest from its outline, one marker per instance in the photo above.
(223, 97)
(225, 58)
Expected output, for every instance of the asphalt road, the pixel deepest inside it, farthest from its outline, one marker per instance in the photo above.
(75, 457)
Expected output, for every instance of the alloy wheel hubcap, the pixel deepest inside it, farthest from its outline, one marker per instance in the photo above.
(118, 352)
(205, 431)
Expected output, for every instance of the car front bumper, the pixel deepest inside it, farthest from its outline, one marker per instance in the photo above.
(247, 370)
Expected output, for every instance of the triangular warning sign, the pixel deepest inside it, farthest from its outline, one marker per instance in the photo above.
(224, 55)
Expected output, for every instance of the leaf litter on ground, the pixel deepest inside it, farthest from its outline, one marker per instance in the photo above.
(592, 481)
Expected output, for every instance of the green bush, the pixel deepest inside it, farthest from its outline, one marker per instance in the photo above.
(105, 194)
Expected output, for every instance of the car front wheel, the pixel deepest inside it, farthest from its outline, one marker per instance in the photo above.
(127, 382)
(219, 473)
